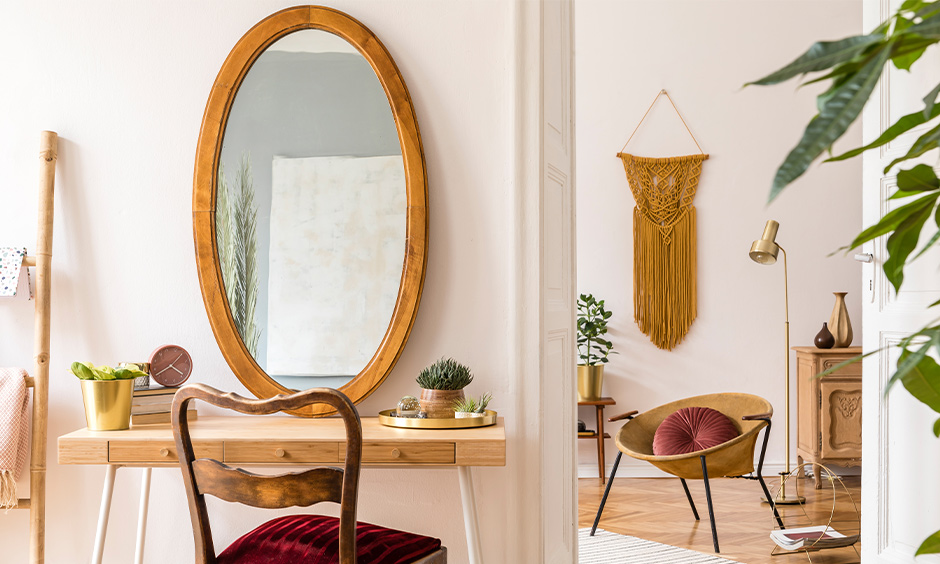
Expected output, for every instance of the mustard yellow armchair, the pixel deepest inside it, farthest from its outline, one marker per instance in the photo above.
(735, 457)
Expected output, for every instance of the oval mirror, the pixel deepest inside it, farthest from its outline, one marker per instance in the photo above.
(310, 207)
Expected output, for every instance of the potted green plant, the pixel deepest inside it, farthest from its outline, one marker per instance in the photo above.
(469, 407)
(593, 348)
(107, 394)
(442, 384)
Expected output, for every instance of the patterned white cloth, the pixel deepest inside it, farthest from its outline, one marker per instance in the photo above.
(610, 548)
(14, 432)
(11, 263)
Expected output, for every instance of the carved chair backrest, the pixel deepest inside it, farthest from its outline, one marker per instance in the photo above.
(207, 476)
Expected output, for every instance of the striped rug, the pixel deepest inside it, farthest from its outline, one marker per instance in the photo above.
(610, 548)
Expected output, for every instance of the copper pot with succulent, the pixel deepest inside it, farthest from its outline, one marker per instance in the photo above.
(442, 384)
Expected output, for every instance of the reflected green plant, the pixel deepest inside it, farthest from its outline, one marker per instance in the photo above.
(236, 225)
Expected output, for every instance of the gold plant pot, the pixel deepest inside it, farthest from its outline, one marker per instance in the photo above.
(108, 404)
(439, 404)
(590, 381)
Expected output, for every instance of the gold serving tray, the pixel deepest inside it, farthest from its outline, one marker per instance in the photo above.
(386, 418)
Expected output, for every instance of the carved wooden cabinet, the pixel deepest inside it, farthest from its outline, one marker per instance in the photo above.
(829, 421)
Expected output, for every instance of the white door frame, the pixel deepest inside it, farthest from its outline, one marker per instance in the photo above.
(543, 288)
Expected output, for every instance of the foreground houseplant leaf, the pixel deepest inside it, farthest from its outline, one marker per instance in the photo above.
(840, 110)
(821, 56)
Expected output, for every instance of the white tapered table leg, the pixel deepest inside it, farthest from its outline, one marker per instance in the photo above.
(474, 550)
(142, 515)
(103, 513)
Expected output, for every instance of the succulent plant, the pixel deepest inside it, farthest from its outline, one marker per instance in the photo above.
(445, 374)
(470, 405)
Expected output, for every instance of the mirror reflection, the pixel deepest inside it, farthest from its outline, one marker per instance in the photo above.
(311, 211)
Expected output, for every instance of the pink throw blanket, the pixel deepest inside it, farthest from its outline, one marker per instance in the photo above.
(14, 432)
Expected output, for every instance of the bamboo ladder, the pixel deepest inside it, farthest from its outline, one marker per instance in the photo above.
(39, 381)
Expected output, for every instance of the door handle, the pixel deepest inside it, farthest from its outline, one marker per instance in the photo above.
(864, 257)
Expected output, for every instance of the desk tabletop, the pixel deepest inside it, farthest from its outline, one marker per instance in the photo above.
(287, 440)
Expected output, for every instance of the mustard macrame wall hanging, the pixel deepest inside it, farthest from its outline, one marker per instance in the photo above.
(664, 242)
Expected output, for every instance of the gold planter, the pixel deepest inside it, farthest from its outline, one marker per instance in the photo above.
(590, 381)
(108, 404)
(439, 404)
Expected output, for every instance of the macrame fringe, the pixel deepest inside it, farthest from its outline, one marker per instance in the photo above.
(664, 278)
(7, 490)
(664, 244)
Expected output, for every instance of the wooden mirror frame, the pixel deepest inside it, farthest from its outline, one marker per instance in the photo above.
(205, 181)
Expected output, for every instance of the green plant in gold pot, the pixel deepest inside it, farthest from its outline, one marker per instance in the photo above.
(107, 394)
(593, 348)
(442, 384)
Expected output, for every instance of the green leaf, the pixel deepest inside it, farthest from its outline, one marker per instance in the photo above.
(893, 219)
(822, 55)
(903, 125)
(930, 244)
(929, 28)
(923, 381)
(909, 51)
(901, 194)
(907, 362)
(931, 545)
(930, 100)
(82, 371)
(936, 428)
(902, 243)
(920, 178)
(928, 141)
(911, 5)
(839, 112)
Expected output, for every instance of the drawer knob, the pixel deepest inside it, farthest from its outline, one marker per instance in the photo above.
(279, 453)
(396, 453)
(164, 452)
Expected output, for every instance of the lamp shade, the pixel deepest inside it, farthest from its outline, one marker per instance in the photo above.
(764, 250)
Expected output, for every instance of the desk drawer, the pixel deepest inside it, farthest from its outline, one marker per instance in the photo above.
(407, 453)
(158, 451)
(271, 452)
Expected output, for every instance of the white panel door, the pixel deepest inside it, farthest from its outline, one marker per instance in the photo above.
(557, 332)
(901, 457)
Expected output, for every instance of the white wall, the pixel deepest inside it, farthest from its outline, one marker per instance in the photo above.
(125, 85)
(701, 52)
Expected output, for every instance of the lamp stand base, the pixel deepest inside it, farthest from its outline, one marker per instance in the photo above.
(782, 498)
(786, 500)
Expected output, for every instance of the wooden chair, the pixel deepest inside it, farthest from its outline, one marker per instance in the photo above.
(733, 458)
(297, 538)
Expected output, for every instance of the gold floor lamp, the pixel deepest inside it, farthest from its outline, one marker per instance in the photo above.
(764, 251)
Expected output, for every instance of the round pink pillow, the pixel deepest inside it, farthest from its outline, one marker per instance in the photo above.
(691, 429)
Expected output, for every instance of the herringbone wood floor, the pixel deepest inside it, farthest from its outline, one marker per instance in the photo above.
(656, 509)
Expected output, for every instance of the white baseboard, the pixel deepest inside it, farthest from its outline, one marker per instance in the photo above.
(638, 469)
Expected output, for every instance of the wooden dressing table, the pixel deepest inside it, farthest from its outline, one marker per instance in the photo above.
(287, 442)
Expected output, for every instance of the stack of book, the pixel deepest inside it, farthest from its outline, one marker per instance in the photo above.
(152, 406)
(810, 538)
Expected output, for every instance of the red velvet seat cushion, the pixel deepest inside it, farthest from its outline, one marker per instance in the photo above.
(314, 539)
(691, 429)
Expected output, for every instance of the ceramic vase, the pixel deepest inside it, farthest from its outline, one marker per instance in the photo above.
(824, 339)
(439, 404)
(839, 323)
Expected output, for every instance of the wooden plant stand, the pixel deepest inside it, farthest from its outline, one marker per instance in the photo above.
(600, 435)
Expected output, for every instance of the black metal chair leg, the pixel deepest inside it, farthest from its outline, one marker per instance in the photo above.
(610, 482)
(689, 497)
(711, 511)
(760, 476)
